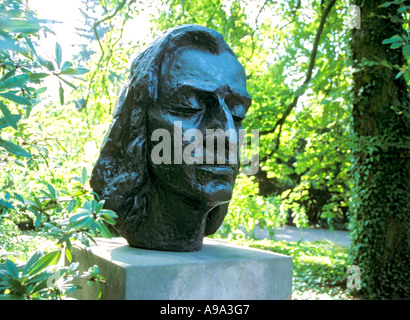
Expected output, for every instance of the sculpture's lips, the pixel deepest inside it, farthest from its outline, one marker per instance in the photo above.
(218, 169)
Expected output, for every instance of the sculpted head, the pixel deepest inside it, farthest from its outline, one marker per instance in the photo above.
(166, 165)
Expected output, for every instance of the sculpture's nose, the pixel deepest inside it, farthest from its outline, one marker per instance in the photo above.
(221, 135)
(221, 116)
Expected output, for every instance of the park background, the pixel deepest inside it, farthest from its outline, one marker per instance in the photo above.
(330, 101)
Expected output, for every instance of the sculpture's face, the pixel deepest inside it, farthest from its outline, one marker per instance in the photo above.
(200, 91)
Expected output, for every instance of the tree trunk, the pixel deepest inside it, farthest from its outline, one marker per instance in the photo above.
(380, 226)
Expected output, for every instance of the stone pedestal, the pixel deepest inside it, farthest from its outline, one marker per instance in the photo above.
(220, 271)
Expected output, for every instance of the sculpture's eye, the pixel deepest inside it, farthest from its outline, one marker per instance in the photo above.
(188, 104)
(207, 100)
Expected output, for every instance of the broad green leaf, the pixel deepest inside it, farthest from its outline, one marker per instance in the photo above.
(82, 71)
(65, 238)
(69, 71)
(8, 116)
(14, 149)
(7, 75)
(16, 99)
(12, 268)
(86, 205)
(39, 91)
(99, 291)
(4, 123)
(108, 219)
(83, 211)
(402, 9)
(109, 212)
(406, 51)
(53, 228)
(37, 202)
(103, 229)
(395, 38)
(38, 220)
(14, 82)
(52, 191)
(6, 204)
(18, 197)
(58, 54)
(66, 65)
(84, 176)
(93, 205)
(30, 44)
(45, 63)
(68, 255)
(386, 4)
(16, 286)
(61, 93)
(47, 260)
(96, 195)
(86, 222)
(38, 76)
(19, 25)
(398, 75)
(69, 245)
(99, 206)
(81, 214)
(33, 259)
(71, 205)
(396, 45)
(39, 277)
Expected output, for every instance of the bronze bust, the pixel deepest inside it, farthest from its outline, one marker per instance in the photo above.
(187, 80)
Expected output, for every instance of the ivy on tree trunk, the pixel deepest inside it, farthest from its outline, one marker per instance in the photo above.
(380, 203)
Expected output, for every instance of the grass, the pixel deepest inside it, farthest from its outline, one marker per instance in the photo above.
(319, 268)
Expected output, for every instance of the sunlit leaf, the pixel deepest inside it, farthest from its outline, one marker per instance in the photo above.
(5, 123)
(19, 25)
(16, 99)
(32, 260)
(11, 266)
(61, 94)
(14, 82)
(6, 204)
(83, 176)
(58, 54)
(14, 149)
(47, 260)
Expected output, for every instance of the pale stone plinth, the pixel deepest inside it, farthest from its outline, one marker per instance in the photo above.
(219, 271)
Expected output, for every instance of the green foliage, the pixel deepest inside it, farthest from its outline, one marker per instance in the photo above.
(34, 194)
(65, 222)
(248, 210)
(319, 268)
(10, 240)
(41, 278)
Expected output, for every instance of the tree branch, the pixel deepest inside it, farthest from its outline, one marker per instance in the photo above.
(301, 90)
(97, 23)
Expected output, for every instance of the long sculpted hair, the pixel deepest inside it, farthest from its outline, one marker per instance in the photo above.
(120, 175)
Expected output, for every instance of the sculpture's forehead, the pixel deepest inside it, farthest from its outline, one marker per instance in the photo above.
(208, 71)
